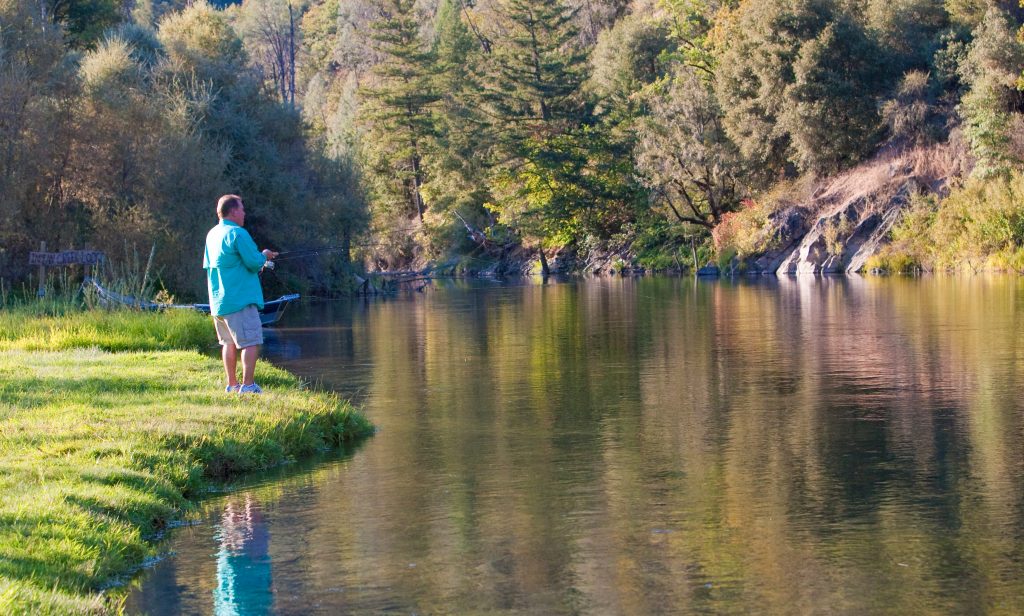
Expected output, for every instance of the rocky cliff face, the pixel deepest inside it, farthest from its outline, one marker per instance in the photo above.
(847, 219)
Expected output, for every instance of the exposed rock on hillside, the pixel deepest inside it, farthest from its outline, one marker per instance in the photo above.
(848, 218)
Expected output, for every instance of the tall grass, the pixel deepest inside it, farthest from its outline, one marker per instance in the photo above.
(70, 316)
(55, 326)
(978, 226)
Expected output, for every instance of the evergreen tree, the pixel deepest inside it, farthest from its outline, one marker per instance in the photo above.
(401, 106)
(85, 20)
(534, 99)
(459, 186)
(537, 71)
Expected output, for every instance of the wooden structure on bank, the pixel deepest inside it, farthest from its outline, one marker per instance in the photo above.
(43, 260)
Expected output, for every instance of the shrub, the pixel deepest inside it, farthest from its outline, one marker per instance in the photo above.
(981, 222)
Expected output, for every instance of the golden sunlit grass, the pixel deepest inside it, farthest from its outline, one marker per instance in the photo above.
(100, 449)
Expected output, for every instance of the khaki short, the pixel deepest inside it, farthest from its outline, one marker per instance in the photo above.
(242, 328)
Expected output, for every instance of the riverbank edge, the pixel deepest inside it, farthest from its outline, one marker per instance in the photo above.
(176, 456)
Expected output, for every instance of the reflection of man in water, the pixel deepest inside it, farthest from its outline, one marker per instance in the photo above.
(243, 561)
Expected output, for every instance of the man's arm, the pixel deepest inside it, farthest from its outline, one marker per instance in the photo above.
(251, 257)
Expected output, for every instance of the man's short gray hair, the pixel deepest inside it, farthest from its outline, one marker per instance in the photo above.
(228, 204)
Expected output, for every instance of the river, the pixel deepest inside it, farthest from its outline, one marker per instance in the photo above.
(639, 446)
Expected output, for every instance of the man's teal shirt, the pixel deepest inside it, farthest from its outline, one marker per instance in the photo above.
(232, 263)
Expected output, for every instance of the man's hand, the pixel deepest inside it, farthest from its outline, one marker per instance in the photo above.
(269, 254)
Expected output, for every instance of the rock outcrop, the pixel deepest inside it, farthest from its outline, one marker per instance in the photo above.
(848, 218)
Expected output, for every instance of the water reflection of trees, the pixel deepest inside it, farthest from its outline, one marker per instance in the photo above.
(663, 446)
(655, 443)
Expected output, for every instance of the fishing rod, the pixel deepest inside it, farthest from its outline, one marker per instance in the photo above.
(302, 253)
(309, 252)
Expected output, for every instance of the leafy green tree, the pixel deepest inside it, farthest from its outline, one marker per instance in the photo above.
(989, 109)
(799, 83)
(692, 26)
(114, 153)
(831, 110)
(201, 41)
(692, 169)
(37, 93)
(319, 27)
(909, 31)
(755, 69)
(626, 58)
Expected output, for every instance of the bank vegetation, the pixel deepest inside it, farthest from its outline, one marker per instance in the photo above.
(476, 134)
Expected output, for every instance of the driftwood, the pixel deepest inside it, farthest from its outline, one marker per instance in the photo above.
(387, 283)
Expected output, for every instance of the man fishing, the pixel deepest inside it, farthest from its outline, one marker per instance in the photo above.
(232, 263)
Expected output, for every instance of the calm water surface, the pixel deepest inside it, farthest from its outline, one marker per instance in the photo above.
(847, 446)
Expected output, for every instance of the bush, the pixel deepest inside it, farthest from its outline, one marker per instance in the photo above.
(980, 223)
(889, 262)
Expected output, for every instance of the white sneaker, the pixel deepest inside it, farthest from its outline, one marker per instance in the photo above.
(232, 389)
(250, 389)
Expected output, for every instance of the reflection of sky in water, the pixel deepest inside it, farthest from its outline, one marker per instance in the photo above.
(243, 561)
(834, 445)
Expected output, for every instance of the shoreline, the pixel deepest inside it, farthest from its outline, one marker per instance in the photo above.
(103, 447)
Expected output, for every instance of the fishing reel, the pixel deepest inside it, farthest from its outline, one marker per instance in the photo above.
(269, 265)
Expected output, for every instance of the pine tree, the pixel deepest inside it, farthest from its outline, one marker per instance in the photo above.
(401, 104)
(535, 102)
(537, 71)
(459, 186)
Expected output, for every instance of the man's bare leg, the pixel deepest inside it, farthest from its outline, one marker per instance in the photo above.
(249, 356)
(230, 355)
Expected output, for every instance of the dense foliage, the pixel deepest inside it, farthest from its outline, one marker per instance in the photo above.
(125, 140)
(434, 129)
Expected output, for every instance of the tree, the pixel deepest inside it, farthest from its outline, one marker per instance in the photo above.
(799, 83)
(755, 69)
(268, 29)
(85, 20)
(627, 58)
(37, 92)
(692, 27)
(201, 41)
(990, 108)
(459, 186)
(831, 111)
(533, 97)
(400, 106)
(684, 156)
(909, 31)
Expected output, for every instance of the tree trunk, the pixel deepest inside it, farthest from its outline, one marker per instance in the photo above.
(545, 271)
(291, 57)
(346, 248)
(416, 184)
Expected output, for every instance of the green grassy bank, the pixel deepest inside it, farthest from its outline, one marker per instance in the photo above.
(109, 423)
